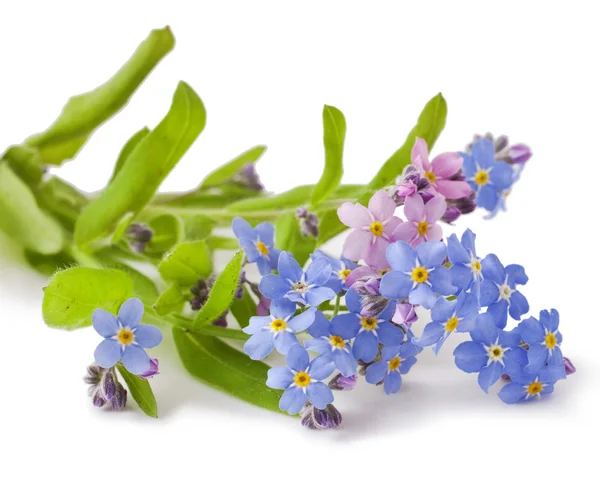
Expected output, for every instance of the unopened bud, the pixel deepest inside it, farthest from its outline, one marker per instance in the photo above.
(341, 383)
(313, 418)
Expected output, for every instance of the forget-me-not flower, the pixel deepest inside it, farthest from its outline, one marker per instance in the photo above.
(466, 266)
(340, 270)
(257, 243)
(543, 339)
(524, 385)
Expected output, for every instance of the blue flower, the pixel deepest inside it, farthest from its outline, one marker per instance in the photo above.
(336, 345)
(447, 317)
(487, 176)
(525, 386)
(298, 286)
(277, 330)
(368, 330)
(417, 274)
(466, 266)
(395, 360)
(257, 244)
(498, 289)
(544, 340)
(302, 380)
(125, 338)
(340, 269)
(491, 353)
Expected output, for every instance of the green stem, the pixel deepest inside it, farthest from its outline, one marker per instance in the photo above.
(336, 308)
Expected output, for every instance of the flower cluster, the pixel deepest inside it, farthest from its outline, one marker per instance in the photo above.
(355, 313)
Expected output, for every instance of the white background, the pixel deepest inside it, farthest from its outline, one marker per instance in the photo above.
(264, 70)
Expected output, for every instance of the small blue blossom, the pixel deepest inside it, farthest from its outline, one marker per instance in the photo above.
(487, 176)
(491, 353)
(395, 360)
(298, 286)
(340, 269)
(449, 317)
(125, 338)
(368, 330)
(524, 386)
(417, 274)
(257, 244)
(498, 290)
(336, 345)
(277, 330)
(466, 266)
(544, 341)
(302, 380)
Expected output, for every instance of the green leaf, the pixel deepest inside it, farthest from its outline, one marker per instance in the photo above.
(84, 113)
(121, 228)
(145, 168)
(167, 232)
(198, 227)
(72, 295)
(189, 262)
(48, 264)
(26, 163)
(429, 126)
(140, 390)
(171, 301)
(62, 200)
(289, 237)
(23, 220)
(222, 292)
(222, 367)
(222, 242)
(334, 134)
(243, 308)
(127, 149)
(225, 172)
(143, 287)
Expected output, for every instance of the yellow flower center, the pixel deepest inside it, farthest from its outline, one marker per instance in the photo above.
(505, 292)
(300, 287)
(420, 274)
(550, 340)
(452, 324)
(344, 274)
(262, 248)
(476, 266)
(482, 177)
(422, 228)
(368, 323)
(495, 352)
(125, 336)
(535, 388)
(430, 176)
(337, 341)
(383, 272)
(302, 379)
(278, 325)
(394, 363)
(506, 194)
(377, 228)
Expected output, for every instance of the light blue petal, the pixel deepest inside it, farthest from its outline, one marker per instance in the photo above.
(266, 233)
(485, 330)
(492, 269)
(501, 175)
(483, 152)
(395, 285)
(550, 319)
(388, 311)
(250, 250)
(274, 257)
(319, 345)
(512, 393)
(489, 375)
(510, 339)
(279, 378)
(345, 362)
(468, 241)
(259, 345)
(548, 389)
(431, 253)
(297, 358)
(532, 331)
(316, 296)
(469, 166)
(441, 281)
(318, 272)
(274, 287)
(552, 373)
(443, 310)
(432, 333)
(282, 308)
(518, 305)
(489, 293)
(242, 229)
(320, 325)
(516, 275)
(556, 358)
(284, 341)
(537, 355)
(301, 322)
(135, 359)
(466, 305)
(407, 364)
(390, 351)
(515, 361)
(257, 324)
(470, 357)
(346, 325)
(288, 267)
(293, 400)
(467, 323)
(353, 301)
(319, 395)
(401, 256)
(365, 346)
(389, 334)
(422, 295)
(456, 252)
(148, 336)
(131, 313)
(462, 276)
(487, 197)
(438, 346)
(499, 312)
(376, 372)
(265, 265)
(321, 367)
(108, 353)
(392, 383)
(105, 323)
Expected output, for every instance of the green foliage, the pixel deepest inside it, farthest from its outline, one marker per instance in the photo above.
(217, 364)
(225, 172)
(22, 219)
(170, 301)
(26, 163)
(289, 237)
(73, 294)
(84, 113)
(243, 309)
(189, 262)
(167, 232)
(145, 168)
(140, 391)
(334, 134)
(128, 148)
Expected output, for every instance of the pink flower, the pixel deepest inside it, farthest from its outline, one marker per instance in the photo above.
(373, 228)
(422, 220)
(439, 171)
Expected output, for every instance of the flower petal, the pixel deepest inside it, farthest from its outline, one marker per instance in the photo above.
(441, 281)
(419, 155)
(446, 164)
(131, 313)
(318, 272)
(468, 241)
(550, 319)
(461, 276)
(488, 197)
(432, 333)
(260, 345)
(274, 287)
(489, 293)
(453, 189)
(320, 325)
(105, 323)
(443, 310)
(266, 233)
(321, 367)
(532, 331)
(148, 336)
(501, 175)
(457, 252)
(422, 295)
(537, 355)
(346, 325)
(401, 256)
(345, 362)
(353, 301)
(518, 305)
(395, 285)
(470, 357)
(357, 244)
(365, 346)
(297, 358)
(135, 359)
(302, 321)
(354, 215)
(257, 324)
(242, 229)
(434, 209)
(516, 275)
(489, 375)
(376, 372)
(316, 296)
(431, 254)
(319, 395)
(485, 330)
(392, 383)
(292, 400)
(406, 231)
(108, 353)
(381, 206)
(484, 153)
(279, 378)
(282, 308)
(512, 393)
(288, 267)
(498, 310)
(389, 334)
(492, 269)
(284, 341)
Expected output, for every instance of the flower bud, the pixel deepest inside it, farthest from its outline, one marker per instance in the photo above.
(309, 222)
(405, 314)
(569, 367)
(152, 371)
(119, 400)
(519, 153)
(451, 215)
(248, 177)
(313, 418)
(107, 386)
(341, 383)
(222, 320)
(139, 235)
(97, 400)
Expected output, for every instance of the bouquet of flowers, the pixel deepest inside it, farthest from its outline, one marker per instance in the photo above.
(129, 255)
